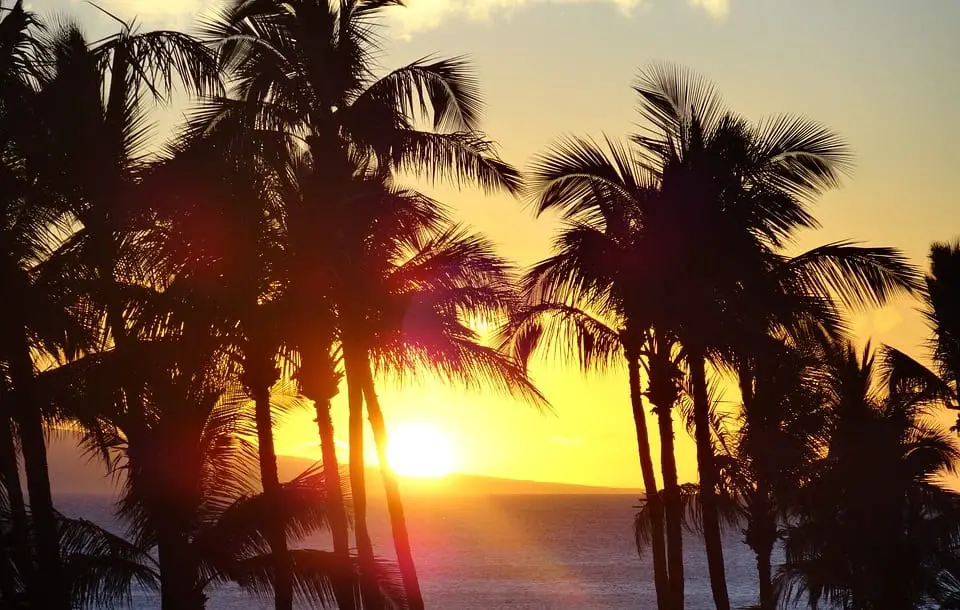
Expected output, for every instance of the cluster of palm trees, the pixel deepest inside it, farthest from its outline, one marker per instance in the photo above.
(673, 260)
(171, 299)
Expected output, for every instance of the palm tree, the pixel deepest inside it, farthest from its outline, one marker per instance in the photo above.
(421, 283)
(942, 296)
(663, 362)
(768, 455)
(874, 530)
(58, 157)
(220, 229)
(15, 46)
(41, 322)
(304, 69)
(189, 477)
(710, 202)
(92, 155)
(583, 301)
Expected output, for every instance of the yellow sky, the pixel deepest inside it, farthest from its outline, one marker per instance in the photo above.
(881, 72)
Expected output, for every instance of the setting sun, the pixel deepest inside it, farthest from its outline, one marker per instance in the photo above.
(420, 451)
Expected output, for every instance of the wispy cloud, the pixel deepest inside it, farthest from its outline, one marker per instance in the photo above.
(420, 15)
(718, 9)
(159, 11)
(416, 16)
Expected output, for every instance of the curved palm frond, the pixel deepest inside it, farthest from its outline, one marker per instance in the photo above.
(102, 568)
(563, 331)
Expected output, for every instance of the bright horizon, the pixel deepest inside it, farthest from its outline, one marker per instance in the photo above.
(859, 67)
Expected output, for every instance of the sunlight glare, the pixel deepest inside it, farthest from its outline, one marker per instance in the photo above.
(420, 451)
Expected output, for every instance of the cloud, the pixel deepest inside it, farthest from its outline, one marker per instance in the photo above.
(156, 12)
(420, 15)
(718, 9)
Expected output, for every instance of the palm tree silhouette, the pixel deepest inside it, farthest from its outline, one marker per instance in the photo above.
(646, 224)
(410, 291)
(41, 322)
(190, 489)
(304, 69)
(84, 160)
(583, 300)
(221, 230)
(874, 527)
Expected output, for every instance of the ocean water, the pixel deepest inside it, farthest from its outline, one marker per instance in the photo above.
(523, 552)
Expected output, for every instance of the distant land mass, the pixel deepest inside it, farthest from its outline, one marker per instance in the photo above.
(73, 472)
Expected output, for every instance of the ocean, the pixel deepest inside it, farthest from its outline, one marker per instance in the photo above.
(536, 552)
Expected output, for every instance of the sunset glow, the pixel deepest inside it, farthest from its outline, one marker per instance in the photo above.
(420, 451)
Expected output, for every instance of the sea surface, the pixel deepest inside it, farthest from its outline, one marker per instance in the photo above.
(536, 552)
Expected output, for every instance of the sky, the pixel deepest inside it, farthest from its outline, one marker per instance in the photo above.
(883, 73)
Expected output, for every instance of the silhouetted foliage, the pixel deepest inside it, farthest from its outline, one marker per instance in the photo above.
(171, 299)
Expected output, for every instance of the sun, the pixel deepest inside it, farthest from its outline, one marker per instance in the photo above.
(419, 450)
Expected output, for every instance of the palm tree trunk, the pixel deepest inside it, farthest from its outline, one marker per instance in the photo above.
(761, 530)
(337, 513)
(768, 599)
(673, 509)
(270, 479)
(331, 473)
(660, 577)
(353, 365)
(33, 445)
(401, 537)
(708, 480)
(178, 573)
(18, 510)
(319, 381)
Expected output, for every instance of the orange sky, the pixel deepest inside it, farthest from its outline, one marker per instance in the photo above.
(882, 73)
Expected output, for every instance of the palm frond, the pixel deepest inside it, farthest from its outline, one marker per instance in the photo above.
(858, 276)
(102, 568)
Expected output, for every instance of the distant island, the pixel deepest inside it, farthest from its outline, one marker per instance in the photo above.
(72, 472)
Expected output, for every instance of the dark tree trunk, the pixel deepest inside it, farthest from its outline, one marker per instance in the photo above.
(353, 365)
(673, 508)
(660, 577)
(319, 381)
(761, 533)
(768, 599)
(331, 474)
(269, 478)
(713, 539)
(178, 573)
(339, 531)
(401, 537)
(10, 474)
(18, 510)
(53, 594)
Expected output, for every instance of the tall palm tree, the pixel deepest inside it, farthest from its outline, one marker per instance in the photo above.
(728, 187)
(421, 284)
(711, 201)
(93, 154)
(72, 162)
(189, 478)
(16, 44)
(874, 530)
(663, 362)
(305, 69)
(584, 297)
(42, 321)
(220, 229)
